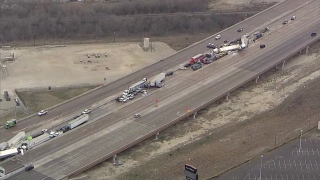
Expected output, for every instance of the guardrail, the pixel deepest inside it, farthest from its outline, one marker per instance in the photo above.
(194, 110)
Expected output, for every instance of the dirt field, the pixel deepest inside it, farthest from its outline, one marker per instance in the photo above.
(217, 143)
(59, 66)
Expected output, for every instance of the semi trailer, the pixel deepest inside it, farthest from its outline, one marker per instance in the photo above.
(16, 139)
(35, 141)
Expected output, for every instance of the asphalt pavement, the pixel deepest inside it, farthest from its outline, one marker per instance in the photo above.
(183, 56)
(289, 162)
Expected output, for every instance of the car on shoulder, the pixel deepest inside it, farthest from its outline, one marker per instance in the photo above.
(218, 37)
(285, 22)
(86, 111)
(42, 112)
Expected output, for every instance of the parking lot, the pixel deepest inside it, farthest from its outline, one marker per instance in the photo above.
(289, 162)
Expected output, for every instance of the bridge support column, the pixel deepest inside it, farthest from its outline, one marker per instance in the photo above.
(115, 161)
(195, 115)
(227, 97)
(157, 135)
(283, 64)
(257, 78)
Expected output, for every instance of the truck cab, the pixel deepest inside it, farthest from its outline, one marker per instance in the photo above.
(11, 123)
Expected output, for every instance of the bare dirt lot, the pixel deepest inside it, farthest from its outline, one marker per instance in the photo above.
(59, 66)
(229, 133)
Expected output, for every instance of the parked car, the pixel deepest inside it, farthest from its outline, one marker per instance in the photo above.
(137, 115)
(218, 37)
(86, 111)
(42, 112)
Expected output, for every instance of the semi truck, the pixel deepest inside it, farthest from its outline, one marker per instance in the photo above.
(3, 146)
(227, 48)
(16, 139)
(11, 123)
(35, 141)
(76, 122)
(137, 85)
(8, 153)
(157, 80)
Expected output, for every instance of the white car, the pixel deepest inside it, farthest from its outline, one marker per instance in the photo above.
(218, 37)
(86, 111)
(53, 134)
(137, 115)
(124, 100)
(293, 18)
(44, 130)
(42, 112)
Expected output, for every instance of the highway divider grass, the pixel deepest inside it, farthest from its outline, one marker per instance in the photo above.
(36, 101)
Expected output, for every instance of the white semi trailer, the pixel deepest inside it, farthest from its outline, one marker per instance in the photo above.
(8, 153)
(76, 122)
(227, 48)
(35, 141)
(156, 81)
(3, 146)
(16, 139)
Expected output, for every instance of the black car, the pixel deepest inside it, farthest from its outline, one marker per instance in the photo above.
(262, 46)
(240, 30)
(187, 65)
(313, 34)
(285, 22)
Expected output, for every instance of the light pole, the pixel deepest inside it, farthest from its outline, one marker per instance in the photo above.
(114, 37)
(260, 167)
(300, 140)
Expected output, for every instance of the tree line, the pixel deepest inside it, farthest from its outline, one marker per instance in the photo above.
(84, 23)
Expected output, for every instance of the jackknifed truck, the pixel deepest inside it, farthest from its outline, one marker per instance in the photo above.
(16, 139)
(157, 80)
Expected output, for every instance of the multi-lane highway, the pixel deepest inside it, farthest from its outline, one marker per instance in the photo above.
(87, 100)
(87, 145)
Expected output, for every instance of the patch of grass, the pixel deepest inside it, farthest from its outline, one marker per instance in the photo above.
(36, 101)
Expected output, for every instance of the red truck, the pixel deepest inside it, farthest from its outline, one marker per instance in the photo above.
(197, 58)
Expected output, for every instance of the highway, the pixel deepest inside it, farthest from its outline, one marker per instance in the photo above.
(115, 132)
(83, 102)
(102, 139)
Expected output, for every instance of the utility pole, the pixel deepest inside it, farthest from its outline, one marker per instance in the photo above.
(300, 140)
(261, 167)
